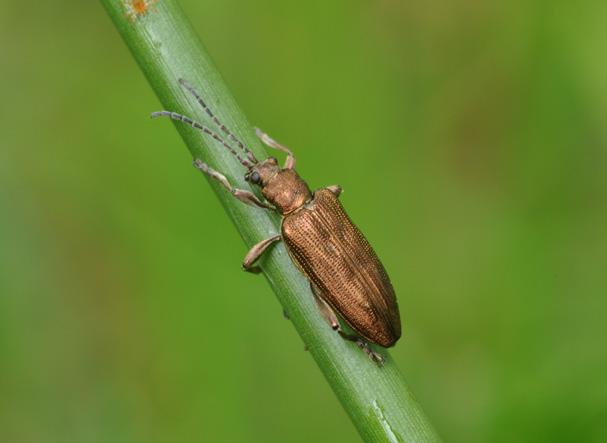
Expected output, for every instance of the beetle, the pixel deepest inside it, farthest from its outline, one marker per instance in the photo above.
(345, 274)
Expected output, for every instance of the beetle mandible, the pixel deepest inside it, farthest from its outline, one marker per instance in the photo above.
(345, 274)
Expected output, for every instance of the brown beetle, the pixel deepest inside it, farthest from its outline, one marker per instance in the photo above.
(344, 272)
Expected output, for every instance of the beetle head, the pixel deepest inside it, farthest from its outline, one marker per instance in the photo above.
(260, 174)
(282, 187)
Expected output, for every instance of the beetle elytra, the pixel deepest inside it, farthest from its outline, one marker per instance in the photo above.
(347, 278)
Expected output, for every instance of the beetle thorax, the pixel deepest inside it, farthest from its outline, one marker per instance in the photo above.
(287, 191)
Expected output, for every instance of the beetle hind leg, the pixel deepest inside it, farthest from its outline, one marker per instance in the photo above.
(364, 346)
(374, 356)
(329, 315)
(325, 310)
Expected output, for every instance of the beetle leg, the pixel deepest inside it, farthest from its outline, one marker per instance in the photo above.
(244, 196)
(325, 309)
(256, 252)
(329, 315)
(269, 141)
(364, 346)
(335, 189)
(373, 356)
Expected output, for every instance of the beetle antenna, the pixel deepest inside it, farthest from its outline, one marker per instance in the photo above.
(220, 125)
(204, 129)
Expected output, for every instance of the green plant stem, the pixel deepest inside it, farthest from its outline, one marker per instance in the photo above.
(166, 48)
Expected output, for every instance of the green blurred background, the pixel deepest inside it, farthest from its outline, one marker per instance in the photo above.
(470, 139)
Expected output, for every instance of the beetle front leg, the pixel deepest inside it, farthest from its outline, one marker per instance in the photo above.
(269, 141)
(244, 196)
(256, 252)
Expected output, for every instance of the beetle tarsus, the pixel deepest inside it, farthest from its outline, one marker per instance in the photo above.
(373, 356)
(364, 346)
(269, 141)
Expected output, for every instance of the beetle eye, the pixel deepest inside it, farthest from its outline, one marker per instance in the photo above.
(254, 178)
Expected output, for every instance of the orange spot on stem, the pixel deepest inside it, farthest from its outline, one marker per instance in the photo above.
(138, 8)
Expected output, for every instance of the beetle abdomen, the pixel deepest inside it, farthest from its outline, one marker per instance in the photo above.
(337, 258)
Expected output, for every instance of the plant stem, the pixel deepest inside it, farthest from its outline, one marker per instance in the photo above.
(166, 48)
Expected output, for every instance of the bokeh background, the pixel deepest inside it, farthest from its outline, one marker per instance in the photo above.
(470, 139)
